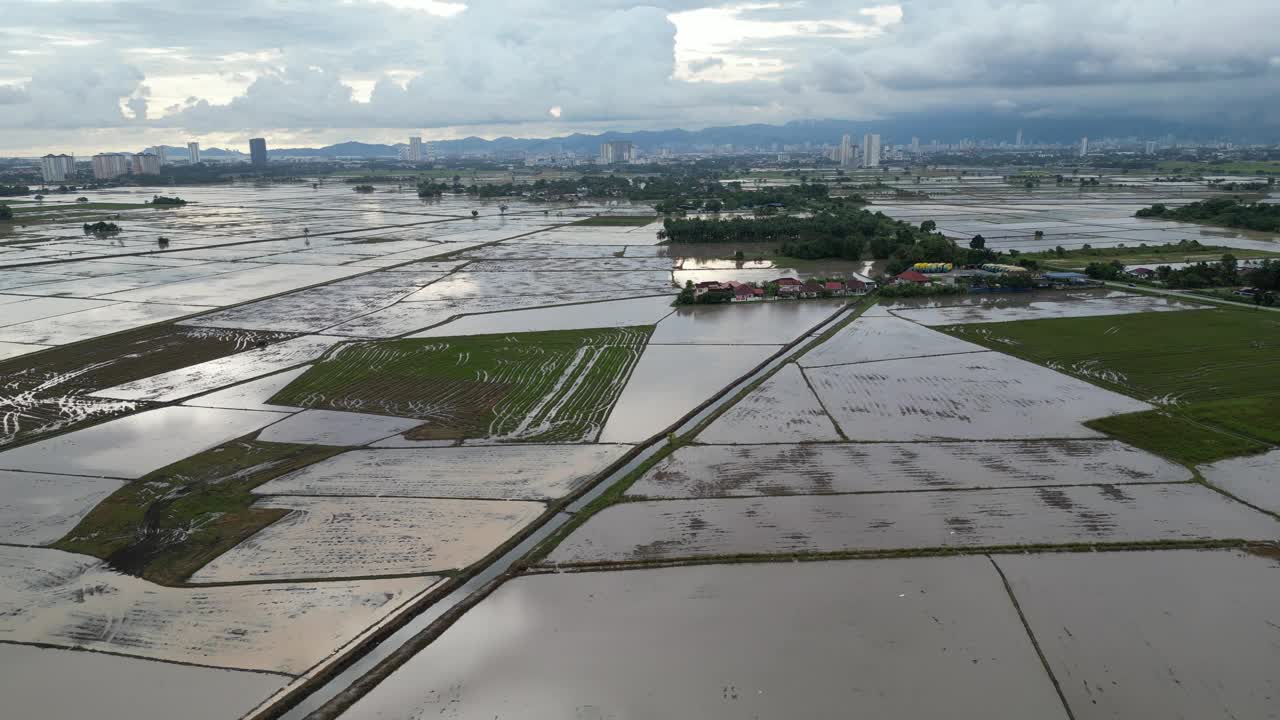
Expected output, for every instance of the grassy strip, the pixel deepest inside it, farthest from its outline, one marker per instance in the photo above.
(1175, 437)
(616, 221)
(1255, 417)
(168, 524)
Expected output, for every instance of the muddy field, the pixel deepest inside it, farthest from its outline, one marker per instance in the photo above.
(775, 323)
(337, 537)
(330, 427)
(505, 472)
(891, 521)
(615, 313)
(782, 409)
(38, 509)
(745, 470)
(977, 396)
(864, 636)
(1158, 634)
(67, 600)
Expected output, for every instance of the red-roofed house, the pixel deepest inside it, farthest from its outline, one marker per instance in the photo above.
(914, 276)
(811, 289)
(835, 287)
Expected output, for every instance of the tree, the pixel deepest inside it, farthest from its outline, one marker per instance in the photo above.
(1039, 234)
(5, 213)
(1228, 270)
(928, 226)
(686, 294)
(475, 213)
(978, 243)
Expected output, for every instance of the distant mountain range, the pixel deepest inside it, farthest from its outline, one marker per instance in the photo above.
(949, 128)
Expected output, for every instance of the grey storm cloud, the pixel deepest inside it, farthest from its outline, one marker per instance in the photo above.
(297, 63)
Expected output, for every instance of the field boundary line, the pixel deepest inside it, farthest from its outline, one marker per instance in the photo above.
(1035, 643)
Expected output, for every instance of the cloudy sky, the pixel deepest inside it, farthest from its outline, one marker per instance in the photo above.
(93, 75)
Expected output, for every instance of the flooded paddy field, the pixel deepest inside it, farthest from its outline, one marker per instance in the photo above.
(38, 509)
(610, 313)
(977, 396)
(763, 323)
(203, 377)
(550, 386)
(128, 448)
(1158, 634)
(331, 427)
(110, 686)
(669, 381)
(92, 323)
(501, 472)
(316, 309)
(883, 338)
(867, 634)
(810, 469)
(668, 529)
(1037, 310)
(334, 537)
(252, 395)
(67, 600)
(1254, 479)
(782, 409)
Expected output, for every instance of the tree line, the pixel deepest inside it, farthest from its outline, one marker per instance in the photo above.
(1227, 212)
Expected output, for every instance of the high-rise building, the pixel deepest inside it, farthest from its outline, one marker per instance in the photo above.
(1018, 141)
(57, 168)
(846, 151)
(193, 152)
(144, 164)
(415, 149)
(159, 152)
(110, 165)
(615, 152)
(1084, 146)
(870, 150)
(258, 152)
(915, 146)
(1151, 147)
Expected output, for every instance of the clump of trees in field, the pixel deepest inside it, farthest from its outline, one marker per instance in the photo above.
(169, 201)
(6, 213)
(363, 188)
(101, 227)
(1227, 212)
(14, 190)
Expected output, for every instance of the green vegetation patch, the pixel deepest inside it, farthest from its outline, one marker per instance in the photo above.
(1175, 437)
(168, 524)
(616, 220)
(525, 387)
(1185, 251)
(1216, 372)
(50, 390)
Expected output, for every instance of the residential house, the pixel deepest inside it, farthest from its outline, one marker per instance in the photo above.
(911, 276)
(811, 289)
(835, 288)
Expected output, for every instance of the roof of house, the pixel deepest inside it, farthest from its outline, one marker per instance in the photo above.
(787, 281)
(1142, 271)
(913, 276)
(835, 285)
(812, 286)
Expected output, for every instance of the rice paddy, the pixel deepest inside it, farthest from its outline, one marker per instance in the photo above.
(535, 387)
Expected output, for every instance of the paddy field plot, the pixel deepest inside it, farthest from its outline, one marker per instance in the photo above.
(864, 637)
(65, 600)
(38, 509)
(173, 520)
(1046, 310)
(307, 310)
(976, 396)
(332, 427)
(782, 409)
(330, 537)
(615, 313)
(668, 529)
(883, 338)
(532, 387)
(214, 374)
(11, 350)
(1188, 633)
(407, 317)
(1254, 479)
(498, 472)
(804, 469)
(252, 395)
(1214, 373)
(111, 686)
(772, 323)
(671, 380)
(132, 446)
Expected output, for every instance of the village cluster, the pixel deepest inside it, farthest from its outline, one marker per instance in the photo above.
(785, 288)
